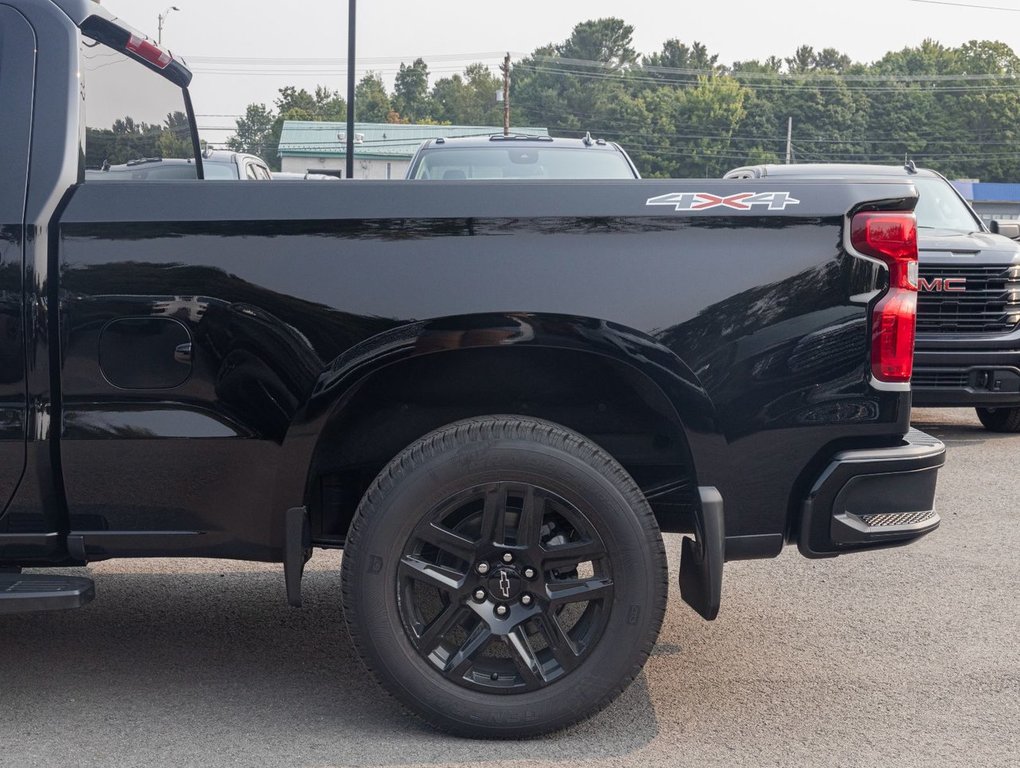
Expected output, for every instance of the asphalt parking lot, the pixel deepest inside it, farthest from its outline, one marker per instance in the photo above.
(901, 658)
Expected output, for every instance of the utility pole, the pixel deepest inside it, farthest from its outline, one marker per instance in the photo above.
(162, 19)
(351, 13)
(505, 69)
(789, 141)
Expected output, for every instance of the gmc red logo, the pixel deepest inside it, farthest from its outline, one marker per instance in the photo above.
(943, 285)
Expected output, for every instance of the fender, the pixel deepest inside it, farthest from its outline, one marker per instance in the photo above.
(693, 411)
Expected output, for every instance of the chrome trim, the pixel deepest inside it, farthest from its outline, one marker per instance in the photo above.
(890, 386)
(851, 520)
(865, 298)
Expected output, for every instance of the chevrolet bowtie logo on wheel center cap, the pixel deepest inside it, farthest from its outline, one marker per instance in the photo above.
(504, 584)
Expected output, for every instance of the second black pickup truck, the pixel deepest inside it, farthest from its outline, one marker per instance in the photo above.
(968, 321)
(494, 396)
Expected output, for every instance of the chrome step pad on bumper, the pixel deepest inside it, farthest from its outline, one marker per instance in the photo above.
(902, 520)
(870, 527)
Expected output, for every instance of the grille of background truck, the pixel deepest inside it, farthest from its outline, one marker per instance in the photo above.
(991, 303)
(936, 379)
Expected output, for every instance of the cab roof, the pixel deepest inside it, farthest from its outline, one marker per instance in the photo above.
(829, 170)
(520, 140)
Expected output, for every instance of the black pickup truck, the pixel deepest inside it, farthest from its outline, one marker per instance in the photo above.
(968, 316)
(494, 396)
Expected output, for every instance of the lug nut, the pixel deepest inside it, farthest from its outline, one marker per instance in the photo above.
(507, 557)
(479, 595)
(526, 599)
(501, 610)
(529, 573)
(483, 568)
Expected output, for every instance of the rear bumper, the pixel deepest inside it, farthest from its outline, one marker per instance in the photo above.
(872, 498)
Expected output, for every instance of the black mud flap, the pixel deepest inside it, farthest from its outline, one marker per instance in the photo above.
(701, 559)
(297, 548)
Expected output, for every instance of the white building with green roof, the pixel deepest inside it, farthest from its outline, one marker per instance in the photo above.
(381, 150)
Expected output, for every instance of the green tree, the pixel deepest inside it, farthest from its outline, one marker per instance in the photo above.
(761, 135)
(831, 60)
(411, 91)
(803, 60)
(175, 137)
(468, 100)
(773, 65)
(681, 113)
(984, 57)
(962, 127)
(128, 140)
(324, 104)
(371, 101)
(294, 104)
(329, 104)
(691, 61)
(572, 87)
(829, 118)
(607, 41)
(253, 133)
(708, 116)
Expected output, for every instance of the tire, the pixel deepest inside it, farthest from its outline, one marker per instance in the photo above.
(1000, 419)
(574, 557)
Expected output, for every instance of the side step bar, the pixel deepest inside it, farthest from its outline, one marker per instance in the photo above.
(28, 593)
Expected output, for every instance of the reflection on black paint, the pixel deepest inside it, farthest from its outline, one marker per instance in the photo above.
(144, 424)
(11, 340)
(798, 341)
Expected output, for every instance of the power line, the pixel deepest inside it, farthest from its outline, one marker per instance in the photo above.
(822, 82)
(321, 65)
(721, 70)
(967, 5)
(339, 72)
(319, 61)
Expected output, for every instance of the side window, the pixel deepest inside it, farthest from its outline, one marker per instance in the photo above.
(249, 171)
(133, 116)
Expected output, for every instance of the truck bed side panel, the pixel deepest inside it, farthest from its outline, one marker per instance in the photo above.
(744, 318)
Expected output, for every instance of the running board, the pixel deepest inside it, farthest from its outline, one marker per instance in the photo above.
(28, 593)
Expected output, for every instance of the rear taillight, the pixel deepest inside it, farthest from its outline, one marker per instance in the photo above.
(149, 51)
(892, 239)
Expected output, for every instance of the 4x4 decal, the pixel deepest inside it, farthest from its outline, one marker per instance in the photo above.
(742, 201)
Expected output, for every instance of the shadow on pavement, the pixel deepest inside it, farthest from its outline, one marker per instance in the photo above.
(963, 433)
(212, 668)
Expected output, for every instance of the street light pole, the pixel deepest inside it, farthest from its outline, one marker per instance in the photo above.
(162, 18)
(351, 13)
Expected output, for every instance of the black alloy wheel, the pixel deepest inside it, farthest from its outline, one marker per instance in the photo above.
(504, 577)
(505, 587)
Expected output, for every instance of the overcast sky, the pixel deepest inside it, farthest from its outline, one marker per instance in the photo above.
(212, 34)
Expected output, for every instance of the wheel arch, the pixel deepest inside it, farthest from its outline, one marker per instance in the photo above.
(615, 386)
